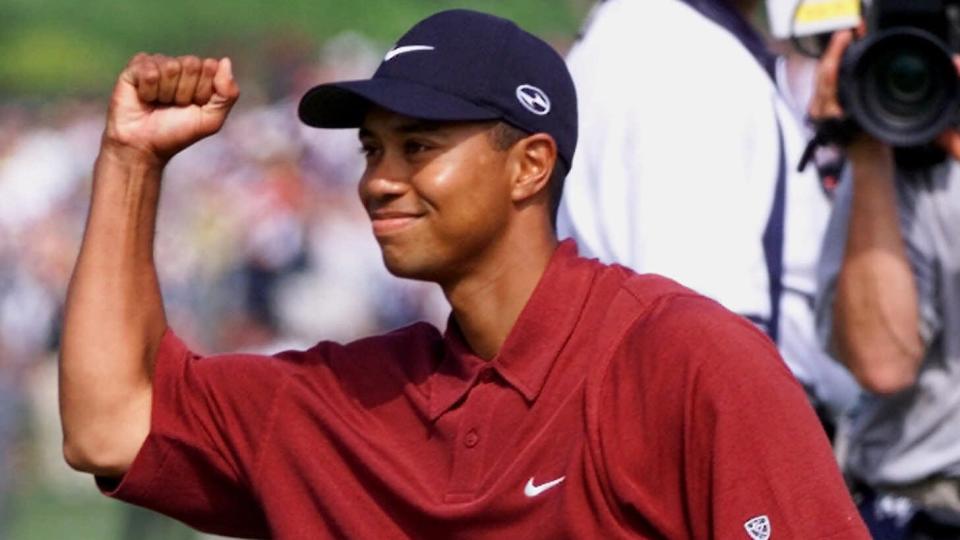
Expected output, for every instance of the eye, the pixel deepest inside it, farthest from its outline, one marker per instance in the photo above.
(415, 147)
(369, 150)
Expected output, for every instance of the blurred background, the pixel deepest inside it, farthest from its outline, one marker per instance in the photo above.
(262, 245)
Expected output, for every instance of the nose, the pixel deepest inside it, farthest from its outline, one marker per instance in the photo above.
(383, 179)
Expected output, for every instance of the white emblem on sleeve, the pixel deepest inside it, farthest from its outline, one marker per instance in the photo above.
(758, 528)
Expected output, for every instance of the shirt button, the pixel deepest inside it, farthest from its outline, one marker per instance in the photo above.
(471, 439)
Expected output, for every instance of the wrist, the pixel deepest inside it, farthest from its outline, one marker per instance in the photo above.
(130, 156)
(864, 146)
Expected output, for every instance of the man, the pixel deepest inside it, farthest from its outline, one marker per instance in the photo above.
(687, 168)
(565, 399)
(889, 309)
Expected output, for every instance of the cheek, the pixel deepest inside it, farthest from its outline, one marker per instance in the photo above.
(470, 192)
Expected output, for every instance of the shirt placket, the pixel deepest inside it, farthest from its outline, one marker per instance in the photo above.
(473, 441)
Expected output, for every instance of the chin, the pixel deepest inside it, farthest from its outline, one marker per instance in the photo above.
(403, 264)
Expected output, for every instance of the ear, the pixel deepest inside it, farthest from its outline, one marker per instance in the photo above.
(534, 158)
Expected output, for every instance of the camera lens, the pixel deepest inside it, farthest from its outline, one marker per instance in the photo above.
(900, 85)
(907, 78)
(907, 89)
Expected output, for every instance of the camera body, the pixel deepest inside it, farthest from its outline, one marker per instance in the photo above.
(899, 83)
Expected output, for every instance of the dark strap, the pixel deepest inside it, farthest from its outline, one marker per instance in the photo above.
(773, 238)
(725, 15)
(722, 13)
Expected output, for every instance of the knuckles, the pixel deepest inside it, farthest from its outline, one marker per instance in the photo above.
(210, 66)
(157, 65)
(191, 64)
(171, 67)
(149, 75)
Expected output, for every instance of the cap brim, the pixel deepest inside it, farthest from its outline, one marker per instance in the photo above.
(344, 104)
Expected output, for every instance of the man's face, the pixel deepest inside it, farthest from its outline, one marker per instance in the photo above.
(438, 193)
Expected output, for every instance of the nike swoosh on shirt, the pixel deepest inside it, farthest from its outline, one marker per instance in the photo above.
(397, 51)
(531, 490)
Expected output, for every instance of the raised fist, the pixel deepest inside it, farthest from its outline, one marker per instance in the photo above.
(163, 104)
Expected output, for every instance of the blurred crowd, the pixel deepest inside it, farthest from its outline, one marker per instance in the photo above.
(262, 245)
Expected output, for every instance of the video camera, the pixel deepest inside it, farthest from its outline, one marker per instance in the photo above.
(899, 83)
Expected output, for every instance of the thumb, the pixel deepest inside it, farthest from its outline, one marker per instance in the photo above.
(825, 103)
(225, 89)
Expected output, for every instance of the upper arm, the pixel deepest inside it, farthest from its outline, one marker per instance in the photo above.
(735, 435)
(207, 425)
(876, 306)
(127, 426)
(756, 449)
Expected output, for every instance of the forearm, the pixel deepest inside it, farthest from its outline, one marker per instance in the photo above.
(114, 317)
(876, 314)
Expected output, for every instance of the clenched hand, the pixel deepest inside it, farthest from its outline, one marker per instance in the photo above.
(161, 105)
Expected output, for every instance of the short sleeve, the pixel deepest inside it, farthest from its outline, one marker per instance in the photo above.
(757, 455)
(713, 435)
(831, 259)
(210, 417)
(917, 217)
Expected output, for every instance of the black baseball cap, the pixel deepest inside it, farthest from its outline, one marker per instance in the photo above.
(460, 65)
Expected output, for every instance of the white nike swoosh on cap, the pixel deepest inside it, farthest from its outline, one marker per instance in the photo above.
(397, 51)
(531, 490)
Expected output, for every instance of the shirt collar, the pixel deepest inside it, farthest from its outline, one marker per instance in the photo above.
(534, 342)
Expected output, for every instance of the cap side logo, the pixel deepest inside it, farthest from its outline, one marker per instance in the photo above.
(397, 51)
(758, 528)
(533, 99)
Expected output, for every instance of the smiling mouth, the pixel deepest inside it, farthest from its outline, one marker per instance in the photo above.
(388, 224)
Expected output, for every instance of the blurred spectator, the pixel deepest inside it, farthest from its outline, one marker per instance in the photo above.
(890, 310)
(11, 401)
(686, 168)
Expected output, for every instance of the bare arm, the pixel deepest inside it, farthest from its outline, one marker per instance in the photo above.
(876, 321)
(114, 315)
(875, 312)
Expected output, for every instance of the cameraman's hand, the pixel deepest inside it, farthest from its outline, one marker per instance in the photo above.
(825, 104)
(950, 139)
(161, 105)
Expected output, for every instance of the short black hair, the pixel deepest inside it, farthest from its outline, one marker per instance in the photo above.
(504, 135)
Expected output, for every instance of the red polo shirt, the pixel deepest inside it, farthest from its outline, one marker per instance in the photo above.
(620, 406)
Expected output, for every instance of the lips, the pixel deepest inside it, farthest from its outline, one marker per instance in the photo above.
(385, 222)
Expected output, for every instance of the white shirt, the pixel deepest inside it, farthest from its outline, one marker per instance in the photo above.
(676, 167)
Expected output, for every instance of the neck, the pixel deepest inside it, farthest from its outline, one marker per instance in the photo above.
(488, 301)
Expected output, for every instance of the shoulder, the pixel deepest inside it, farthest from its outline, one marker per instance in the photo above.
(417, 339)
(353, 377)
(673, 335)
(411, 348)
(405, 353)
(661, 312)
(664, 305)
(621, 19)
(656, 33)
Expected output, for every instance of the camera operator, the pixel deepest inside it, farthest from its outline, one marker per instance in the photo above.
(889, 309)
